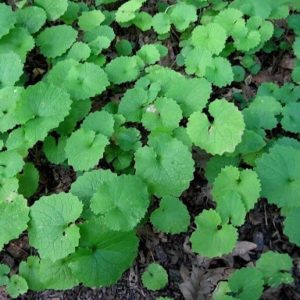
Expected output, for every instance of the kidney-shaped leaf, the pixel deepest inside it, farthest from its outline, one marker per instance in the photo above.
(56, 40)
(279, 172)
(124, 207)
(166, 165)
(13, 218)
(221, 135)
(245, 183)
(212, 238)
(103, 254)
(52, 230)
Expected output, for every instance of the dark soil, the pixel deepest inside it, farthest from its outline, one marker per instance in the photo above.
(190, 277)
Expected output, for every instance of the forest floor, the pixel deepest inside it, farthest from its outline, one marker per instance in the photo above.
(191, 277)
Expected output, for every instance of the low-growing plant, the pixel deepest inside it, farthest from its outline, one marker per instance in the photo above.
(155, 277)
(265, 273)
(128, 126)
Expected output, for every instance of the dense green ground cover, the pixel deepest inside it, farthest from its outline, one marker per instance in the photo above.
(126, 121)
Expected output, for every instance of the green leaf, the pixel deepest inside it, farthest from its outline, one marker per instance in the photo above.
(11, 163)
(121, 209)
(251, 142)
(296, 73)
(99, 38)
(90, 19)
(30, 271)
(286, 141)
(262, 113)
(216, 163)
(239, 73)
(122, 161)
(11, 69)
(72, 12)
(244, 288)
(246, 41)
(291, 120)
(166, 165)
(9, 187)
(103, 254)
(55, 150)
(41, 108)
(229, 19)
(288, 93)
(127, 11)
(223, 134)
(219, 72)
(95, 121)
(4, 270)
(122, 69)
(254, 7)
(18, 40)
(31, 17)
(266, 31)
(182, 15)
(7, 108)
(163, 114)
(79, 52)
(291, 225)
(52, 230)
(181, 135)
(28, 180)
(268, 89)
(191, 94)
(81, 81)
(212, 238)
(54, 9)
(85, 148)
(281, 10)
(221, 292)
(155, 277)
(172, 216)
(79, 110)
(128, 139)
(87, 184)
(294, 23)
(277, 273)
(143, 21)
(17, 286)
(124, 48)
(132, 103)
(47, 274)
(57, 275)
(296, 47)
(34, 103)
(211, 37)
(279, 172)
(161, 23)
(197, 61)
(232, 180)
(56, 40)
(149, 54)
(231, 208)
(7, 19)
(14, 211)
(17, 142)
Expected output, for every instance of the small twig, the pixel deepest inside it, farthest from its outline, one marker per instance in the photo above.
(266, 218)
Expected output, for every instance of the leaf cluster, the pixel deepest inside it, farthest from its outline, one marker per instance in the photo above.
(130, 128)
(248, 283)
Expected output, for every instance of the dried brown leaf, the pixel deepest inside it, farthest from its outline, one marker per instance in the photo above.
(243, 247)
(202, 282)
